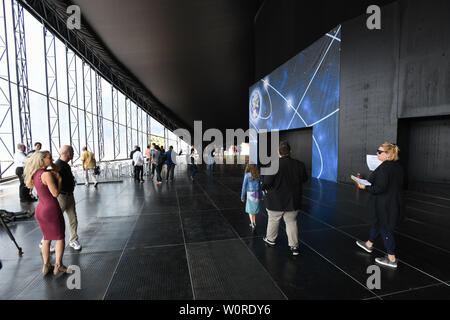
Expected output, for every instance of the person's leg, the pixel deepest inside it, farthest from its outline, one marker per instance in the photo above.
(158, 173)
(59, 252)
(170, 173)
(23, 194)
(153, 169)
(290, 219)
(72, 216)
(141, 173)
(273, 224)
(136, 173)
(86, 177)
(373, 235)
(45, 250)
(389, 243)
(94, 178)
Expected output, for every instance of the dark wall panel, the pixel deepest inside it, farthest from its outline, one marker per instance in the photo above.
(368, 116)
(425, 58)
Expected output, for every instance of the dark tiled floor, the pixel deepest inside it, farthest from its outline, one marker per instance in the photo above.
(191, 240)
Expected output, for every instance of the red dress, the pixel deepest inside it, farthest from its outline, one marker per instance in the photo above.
(48, 212)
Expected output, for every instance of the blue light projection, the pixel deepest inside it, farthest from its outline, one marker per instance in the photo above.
(304, 92)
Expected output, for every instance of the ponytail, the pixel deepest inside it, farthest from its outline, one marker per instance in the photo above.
(392, 150)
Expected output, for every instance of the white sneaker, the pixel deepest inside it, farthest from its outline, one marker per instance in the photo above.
(75, 245)
(52, 247)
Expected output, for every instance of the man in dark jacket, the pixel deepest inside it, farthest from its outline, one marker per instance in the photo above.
(284, 197)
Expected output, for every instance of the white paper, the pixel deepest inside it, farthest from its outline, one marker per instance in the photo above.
(372, 162)
(361, 181)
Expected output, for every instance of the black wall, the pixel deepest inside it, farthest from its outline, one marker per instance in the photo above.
(399, 72)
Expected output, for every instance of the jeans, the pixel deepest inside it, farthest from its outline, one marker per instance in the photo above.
(138, 173)
(170, 170)
(388, 238)
(193, 168)
(158, 172)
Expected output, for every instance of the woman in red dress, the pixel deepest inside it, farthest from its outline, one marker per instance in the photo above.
(48, 211)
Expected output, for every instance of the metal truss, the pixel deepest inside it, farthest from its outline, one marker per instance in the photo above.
(139, 126)
(115, 118)
(88, 111)
(72, 97)
(52, 91)
(128, 122)
(101, 140)
(147, 132)
(22, 75)
(6, 113)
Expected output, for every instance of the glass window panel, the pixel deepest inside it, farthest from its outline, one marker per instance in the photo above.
(10, 30)
(121, 109)
(39, 120)
(133, 116)
(108, 140)
(157, 129)
(34, 39)
(64, 124)
(123, 142)
(61, 70)
(107, 99)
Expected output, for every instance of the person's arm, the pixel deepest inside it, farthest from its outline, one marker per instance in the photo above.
(380, 182)
(244, 188)
(48, 179)
(268, 182)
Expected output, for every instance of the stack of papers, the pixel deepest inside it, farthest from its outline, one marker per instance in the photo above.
(372, 162)
(361, 181)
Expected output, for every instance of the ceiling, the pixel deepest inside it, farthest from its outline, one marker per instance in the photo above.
(195, 56)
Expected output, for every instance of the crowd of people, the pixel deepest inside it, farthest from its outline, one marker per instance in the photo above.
(281, 192)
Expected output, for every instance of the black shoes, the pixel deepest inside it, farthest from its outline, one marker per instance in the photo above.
(295, 251)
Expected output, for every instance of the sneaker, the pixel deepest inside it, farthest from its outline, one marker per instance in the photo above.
(386, 262)
(158, 182)
(295, 251)
(75, 245)
(253, 226)
(270, 243)
(363, 246)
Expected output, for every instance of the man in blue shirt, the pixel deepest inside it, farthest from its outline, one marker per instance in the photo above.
(170, 164)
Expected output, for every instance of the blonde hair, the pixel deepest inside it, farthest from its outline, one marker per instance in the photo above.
(33, 164)
(253, 169)
(392, 151)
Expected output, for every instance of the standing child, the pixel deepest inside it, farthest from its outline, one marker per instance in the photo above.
(252, 187)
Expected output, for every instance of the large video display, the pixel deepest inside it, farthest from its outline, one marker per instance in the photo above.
(304, 92)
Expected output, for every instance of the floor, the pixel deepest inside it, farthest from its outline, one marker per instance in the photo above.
(191, 240)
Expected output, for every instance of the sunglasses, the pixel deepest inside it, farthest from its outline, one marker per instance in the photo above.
(380, 151)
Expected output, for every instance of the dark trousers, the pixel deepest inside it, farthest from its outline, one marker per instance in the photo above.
(158, 172)
(24, 192)
(153, 169)
(170, 170)
(138, 173)
(388, 238)
(193, 169)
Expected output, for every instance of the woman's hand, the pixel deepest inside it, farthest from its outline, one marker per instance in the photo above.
(361, 186)
(243, 201)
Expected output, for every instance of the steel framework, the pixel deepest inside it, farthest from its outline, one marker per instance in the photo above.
(72, 101)
(139, 126)
(101, 144)
(128, 122)
(52, 91)
(6, 112)
(22, 74)
(88, 111)
(115, 119)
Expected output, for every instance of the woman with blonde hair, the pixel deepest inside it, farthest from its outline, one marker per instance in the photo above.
(48, 212)
(386, 205)
(251, 187)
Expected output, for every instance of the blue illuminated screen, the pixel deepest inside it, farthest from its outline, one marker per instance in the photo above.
(304, 92)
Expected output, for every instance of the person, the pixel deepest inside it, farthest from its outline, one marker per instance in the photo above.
(170, 164)
(284, 196)
(251, 187)
(148, 158)
(386, 204)
(153, 158)
(19, 162)
(162, 161)
(157, 162)
(138, 160)
(65, 198)
(88, 160)
(37, 147)
(211, 160)
(132, 152)
(48, 185)
(192, 165)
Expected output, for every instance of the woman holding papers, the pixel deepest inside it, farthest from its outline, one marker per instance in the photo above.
(386, 206)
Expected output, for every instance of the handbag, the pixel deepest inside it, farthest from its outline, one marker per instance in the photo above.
(96, 170)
